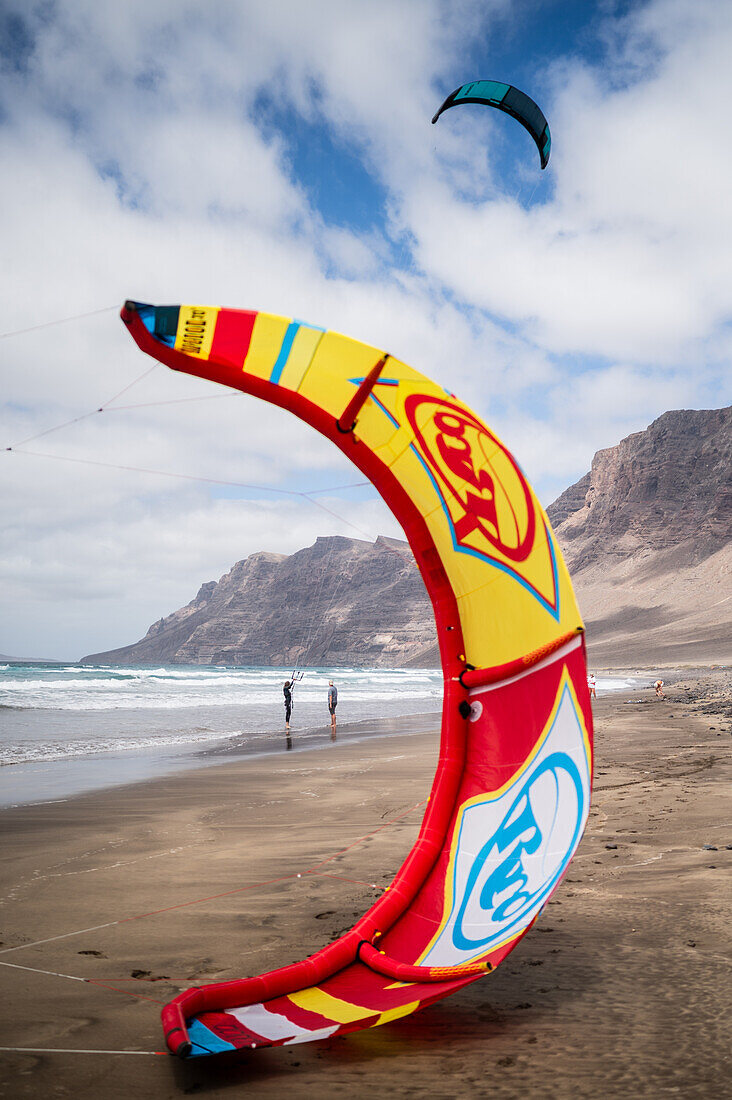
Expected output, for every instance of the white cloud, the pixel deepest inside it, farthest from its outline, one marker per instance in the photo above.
(134, 163)
(631, 255)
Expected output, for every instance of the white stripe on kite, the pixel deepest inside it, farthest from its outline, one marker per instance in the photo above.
(309, 1036)
(265, 1024)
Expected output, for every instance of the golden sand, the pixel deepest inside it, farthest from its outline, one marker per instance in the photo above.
(111, 903)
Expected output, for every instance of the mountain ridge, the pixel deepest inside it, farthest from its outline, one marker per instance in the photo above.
(646, 533)
(340, 601)
(647, 538)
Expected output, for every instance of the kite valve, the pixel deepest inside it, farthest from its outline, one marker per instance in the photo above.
(468, 668)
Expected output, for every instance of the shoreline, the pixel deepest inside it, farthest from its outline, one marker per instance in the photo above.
(189, 760)
(115, 901)
(73, 777)
(51, 777)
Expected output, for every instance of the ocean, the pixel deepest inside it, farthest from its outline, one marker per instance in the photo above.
(67, 728)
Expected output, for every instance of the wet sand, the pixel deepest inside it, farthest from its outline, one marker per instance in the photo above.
(134, 893)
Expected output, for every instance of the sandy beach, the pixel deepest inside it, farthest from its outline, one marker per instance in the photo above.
(113, 902)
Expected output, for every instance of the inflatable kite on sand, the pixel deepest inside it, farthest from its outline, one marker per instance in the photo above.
(511, 793)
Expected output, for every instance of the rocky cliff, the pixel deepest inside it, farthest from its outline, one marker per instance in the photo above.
(647, 536)
(339, 602)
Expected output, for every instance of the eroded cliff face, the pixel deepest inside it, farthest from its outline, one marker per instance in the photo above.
(647, 536)
(661, 488)
(339, 602)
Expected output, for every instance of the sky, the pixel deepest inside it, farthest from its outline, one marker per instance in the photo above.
(278, 155)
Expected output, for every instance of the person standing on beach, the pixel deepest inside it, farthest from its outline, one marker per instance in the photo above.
(332, 704)
(287, 692)
(592, 685)
(659, 689)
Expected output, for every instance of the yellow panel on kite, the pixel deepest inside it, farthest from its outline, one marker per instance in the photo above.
(491, 533)
(195, 333)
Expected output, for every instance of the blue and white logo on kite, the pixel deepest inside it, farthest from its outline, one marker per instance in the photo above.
(512, 849)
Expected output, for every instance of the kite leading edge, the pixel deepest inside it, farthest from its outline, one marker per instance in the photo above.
(511, 793)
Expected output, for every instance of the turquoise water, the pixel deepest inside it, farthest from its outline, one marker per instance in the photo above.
(68, 728)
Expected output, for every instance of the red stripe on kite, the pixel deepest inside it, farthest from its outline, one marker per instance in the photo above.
(232, 336)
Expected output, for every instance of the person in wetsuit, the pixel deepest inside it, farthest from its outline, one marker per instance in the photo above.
(287, 692)
(332, 704)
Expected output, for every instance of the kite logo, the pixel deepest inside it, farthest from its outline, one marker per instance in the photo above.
(512, 846)
(486, 495)
(521, 862)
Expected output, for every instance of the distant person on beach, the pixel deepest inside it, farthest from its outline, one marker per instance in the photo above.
(332, 704)
(659, 689)
(287, 692)
(592, 685)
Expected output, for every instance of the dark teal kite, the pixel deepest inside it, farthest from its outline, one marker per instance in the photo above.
(509, 99)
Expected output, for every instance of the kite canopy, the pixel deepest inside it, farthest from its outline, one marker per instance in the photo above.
(511, 794)
(506, 98)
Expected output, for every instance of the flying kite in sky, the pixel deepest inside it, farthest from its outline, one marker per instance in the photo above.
(509, 99)
(511, 793)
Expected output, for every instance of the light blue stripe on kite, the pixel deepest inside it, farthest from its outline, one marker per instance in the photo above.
(385, 410)
(489, 89)
(284, 353)
(204, 1041)
(285, 350)
(459, 549)
(378, 382)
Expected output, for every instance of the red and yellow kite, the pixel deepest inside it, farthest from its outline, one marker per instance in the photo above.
(511, 794)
